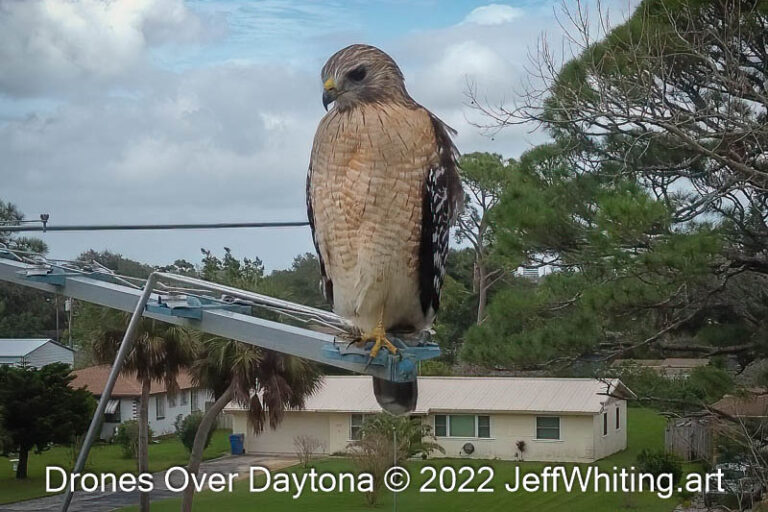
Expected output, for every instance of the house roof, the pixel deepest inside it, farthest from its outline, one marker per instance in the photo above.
(670, 362)
(472, 394)
(751, 405)
(20, 347)
(94, 378)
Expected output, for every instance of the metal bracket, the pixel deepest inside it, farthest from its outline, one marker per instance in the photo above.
(189, 306)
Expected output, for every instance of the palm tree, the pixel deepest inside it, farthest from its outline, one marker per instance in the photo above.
(159, 353)
(266, 382)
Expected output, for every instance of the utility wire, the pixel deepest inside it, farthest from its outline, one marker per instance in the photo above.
(152, 227)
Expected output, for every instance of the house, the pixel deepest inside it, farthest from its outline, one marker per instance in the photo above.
(695, 436)
(752, 403)
(124, 401)
(34, 352)
(670, 367)
(562, 420)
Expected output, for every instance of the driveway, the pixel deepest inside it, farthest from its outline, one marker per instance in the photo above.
(105, 501)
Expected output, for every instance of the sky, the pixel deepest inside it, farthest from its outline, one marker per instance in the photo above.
(172, 111)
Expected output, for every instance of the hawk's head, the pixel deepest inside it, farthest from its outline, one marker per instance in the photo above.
(361, 73)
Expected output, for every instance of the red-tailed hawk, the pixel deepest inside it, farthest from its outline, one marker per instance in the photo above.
(382, 191)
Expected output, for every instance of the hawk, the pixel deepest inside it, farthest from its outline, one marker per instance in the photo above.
(383, 189)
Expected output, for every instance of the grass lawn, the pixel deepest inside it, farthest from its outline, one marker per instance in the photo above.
(103, 459)
(646, 430)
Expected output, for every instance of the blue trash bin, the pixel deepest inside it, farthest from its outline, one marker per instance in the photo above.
(237, 444)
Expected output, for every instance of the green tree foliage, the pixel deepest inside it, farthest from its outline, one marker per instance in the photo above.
(659, 462)
(484, 177)
(624, 269)
(188, 428)
(376, 451)
(415, 438)
(117, 263)
(23, 312)
(300, 283)
(704, 386)
(127, 437)
(39, 408)
(650, 203)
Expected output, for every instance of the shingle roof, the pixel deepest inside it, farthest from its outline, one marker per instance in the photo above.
(19, 347)
(670, 362)
(472, 394)
(751, 405)
(94, 378)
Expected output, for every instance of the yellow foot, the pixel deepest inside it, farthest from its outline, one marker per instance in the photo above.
(379, 337)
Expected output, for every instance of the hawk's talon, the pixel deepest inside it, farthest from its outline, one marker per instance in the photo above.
(379, 337)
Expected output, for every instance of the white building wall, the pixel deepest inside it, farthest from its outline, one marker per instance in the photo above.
(578, 441)
(575, 443)
(165, 425)
(616, 439)
(281, 439)
(129, 410)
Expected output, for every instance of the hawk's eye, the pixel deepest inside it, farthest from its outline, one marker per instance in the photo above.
(357, 74)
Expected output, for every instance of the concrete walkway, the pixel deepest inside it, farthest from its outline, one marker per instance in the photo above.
(105, 501)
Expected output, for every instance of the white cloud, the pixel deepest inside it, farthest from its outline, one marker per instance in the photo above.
(225, 138)
(493, 14)
(54, 46)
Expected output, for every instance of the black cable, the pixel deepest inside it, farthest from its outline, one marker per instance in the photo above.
(144, 227)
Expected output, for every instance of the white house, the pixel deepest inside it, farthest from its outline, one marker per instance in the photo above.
(34, 352)
(124, 401)
(560, 420)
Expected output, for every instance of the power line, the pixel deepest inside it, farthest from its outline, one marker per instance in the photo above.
(152, 227)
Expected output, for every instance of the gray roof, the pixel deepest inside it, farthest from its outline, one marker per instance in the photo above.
(354, 394)
(20, 347)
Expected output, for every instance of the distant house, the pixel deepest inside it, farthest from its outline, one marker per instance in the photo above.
(670, 367)
(753, 403)
(124, 401)
(562, 420)
(35, 353)
(694, 437)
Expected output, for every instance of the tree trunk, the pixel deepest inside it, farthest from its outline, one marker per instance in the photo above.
(143, 449)
(482, 289)
(196, 456)
(21, 469)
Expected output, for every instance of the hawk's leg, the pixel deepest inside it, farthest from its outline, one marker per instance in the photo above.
(379, 337)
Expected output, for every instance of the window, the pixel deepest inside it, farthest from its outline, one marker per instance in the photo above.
(441, 427)
(355, 424)
(483, 426)
(618, 420)
(183, 399)
(160, 407)
(172, 400)
(605, 423)
(193, 399)
(112, 414)
(548, 427)
(462, 425)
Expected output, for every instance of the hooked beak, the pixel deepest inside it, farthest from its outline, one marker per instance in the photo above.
(329, 92)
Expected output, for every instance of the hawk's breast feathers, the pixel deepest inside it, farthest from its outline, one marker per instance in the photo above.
(382, 192)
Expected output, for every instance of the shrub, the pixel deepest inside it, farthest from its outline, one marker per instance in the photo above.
(188, 429)
(306, 446)
(657, 462)
(128, 438)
